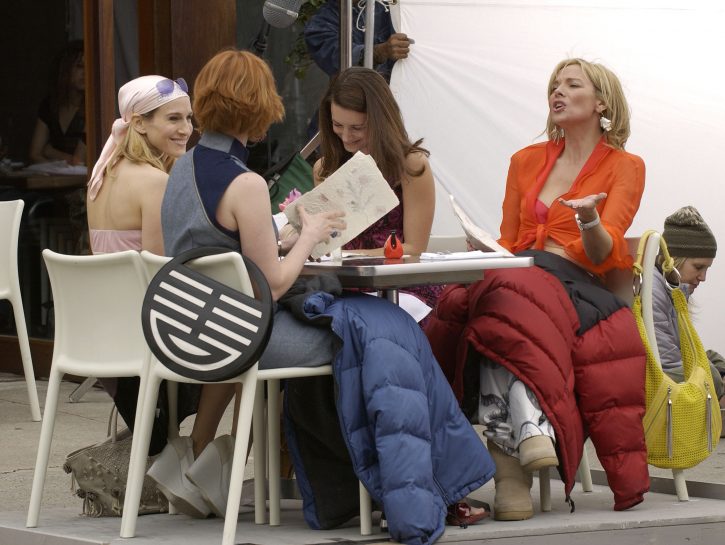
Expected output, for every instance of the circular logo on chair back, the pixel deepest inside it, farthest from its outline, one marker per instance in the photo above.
(203, 329)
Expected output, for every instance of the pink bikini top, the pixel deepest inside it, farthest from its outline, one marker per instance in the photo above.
(108, 241)
(541, 210)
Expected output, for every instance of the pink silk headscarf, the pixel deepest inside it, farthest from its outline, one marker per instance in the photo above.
(138, 96)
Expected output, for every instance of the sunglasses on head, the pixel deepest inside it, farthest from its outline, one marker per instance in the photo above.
(166, 86)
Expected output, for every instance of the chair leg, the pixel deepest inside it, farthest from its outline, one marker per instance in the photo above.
(81, 390)
(28, 370)
(145, 409)
(366, 512)
(680, 485)
(585, 473)
(46, 437)
(273, 430)
(172, 393)
(260, 456)
(241, 442)
(545, 489)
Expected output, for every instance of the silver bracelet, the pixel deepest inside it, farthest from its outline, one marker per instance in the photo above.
(586, 226)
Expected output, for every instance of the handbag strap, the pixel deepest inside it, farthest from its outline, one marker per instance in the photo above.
(691, 349)
(655, 374)
(668, 263)
(690, 345)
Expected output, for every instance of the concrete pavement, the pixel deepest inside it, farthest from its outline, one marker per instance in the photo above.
(660, 519)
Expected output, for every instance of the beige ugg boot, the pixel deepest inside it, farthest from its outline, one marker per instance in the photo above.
(537, 452)
(513, 487)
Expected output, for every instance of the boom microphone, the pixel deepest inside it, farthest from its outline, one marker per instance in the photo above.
(281, 13)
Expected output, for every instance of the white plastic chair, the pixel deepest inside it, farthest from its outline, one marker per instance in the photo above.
(229, 269)
(651, 250)
(273, 376)
(98, 333)
(10, 215)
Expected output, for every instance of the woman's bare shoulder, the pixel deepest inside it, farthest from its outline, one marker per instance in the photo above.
(139, 176)
(416, 161)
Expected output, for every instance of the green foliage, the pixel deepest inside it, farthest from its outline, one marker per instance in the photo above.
(299, 58)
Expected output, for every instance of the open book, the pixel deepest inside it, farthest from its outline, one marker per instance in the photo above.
(358, 188)
(478, 238)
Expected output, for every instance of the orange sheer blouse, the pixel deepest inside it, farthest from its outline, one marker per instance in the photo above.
(615, 172)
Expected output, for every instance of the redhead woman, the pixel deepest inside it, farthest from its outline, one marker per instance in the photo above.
(214, 199)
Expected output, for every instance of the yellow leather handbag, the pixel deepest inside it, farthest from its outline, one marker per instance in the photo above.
(682, 421)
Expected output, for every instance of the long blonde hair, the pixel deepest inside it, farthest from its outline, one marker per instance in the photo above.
(608, 89)
(136, 148)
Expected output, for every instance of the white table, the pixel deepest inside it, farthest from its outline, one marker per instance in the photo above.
(389, 275)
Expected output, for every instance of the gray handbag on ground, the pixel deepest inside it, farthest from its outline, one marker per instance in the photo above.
(99, 474)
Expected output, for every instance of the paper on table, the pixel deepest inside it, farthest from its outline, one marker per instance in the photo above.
(477, 254)
(478, 238)
(358, 188)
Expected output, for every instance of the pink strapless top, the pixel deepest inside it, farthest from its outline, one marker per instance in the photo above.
(108, 241)
(542, 211)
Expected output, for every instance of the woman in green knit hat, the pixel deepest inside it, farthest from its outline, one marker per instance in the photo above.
(692, 247)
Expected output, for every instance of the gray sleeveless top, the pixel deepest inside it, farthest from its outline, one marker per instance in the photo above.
(197, 182)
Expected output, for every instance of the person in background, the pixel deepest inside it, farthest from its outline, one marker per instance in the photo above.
(59, 133)
(359, 113)
(322, 37)
(545, 343)
(124, 197)
(692, 246)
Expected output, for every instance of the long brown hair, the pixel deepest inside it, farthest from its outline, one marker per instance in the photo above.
(60, 92)
(365, 91)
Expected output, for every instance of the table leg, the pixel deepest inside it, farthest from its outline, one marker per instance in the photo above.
(391, 295)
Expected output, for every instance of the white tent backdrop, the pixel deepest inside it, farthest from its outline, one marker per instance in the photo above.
(474, 86)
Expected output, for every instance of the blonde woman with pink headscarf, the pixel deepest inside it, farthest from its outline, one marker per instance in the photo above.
(124, 198)
(129, 179)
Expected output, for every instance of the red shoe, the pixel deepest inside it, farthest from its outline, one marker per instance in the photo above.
(461, 514)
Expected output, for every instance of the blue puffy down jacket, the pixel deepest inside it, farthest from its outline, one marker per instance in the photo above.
(409, 442)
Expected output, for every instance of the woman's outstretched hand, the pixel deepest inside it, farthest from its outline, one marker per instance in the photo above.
(586, 206)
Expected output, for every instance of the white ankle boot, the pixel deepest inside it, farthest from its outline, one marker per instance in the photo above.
(211, 473)
(168, 474)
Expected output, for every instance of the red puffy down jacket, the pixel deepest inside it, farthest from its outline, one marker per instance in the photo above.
(588, 383)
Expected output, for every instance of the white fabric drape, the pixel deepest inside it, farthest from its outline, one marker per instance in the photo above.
(475, 82)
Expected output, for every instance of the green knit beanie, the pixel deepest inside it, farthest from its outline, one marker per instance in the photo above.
(687, 234)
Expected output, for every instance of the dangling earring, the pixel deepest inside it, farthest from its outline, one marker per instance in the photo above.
(557, 134)
(605, 124)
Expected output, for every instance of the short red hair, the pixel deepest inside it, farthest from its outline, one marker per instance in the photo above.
(235, 93)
